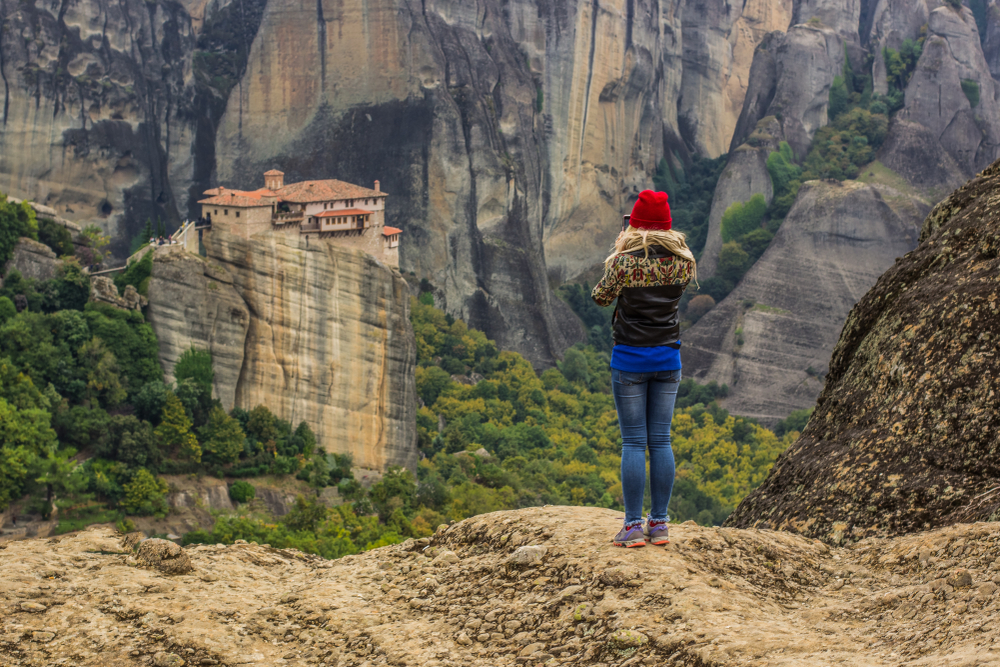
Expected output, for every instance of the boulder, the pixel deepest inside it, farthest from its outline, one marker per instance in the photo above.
(903, 438)
(163, 555)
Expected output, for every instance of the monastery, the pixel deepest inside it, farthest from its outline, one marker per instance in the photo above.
(351, 214)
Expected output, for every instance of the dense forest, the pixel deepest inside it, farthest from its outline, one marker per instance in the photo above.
(89, 427)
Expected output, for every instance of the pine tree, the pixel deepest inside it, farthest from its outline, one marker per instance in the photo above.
(222, 438)
(174, 432)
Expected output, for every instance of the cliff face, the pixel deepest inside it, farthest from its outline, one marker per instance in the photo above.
(769, 340)
(904, 433)
(511, 136)
(532, 586)
(316, 333)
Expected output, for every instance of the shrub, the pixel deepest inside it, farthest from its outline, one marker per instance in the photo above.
(242, 492)
(743, 218)
(145, 494)
(698, 307)
(137, 275)
(16, 220)
(174, 432)
(7, 309)
(55, 236)
(733, 262)
(971, 90)
(222, 439)
(197, 365)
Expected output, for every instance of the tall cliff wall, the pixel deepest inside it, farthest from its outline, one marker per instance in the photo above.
(316, 333)
(510, 135)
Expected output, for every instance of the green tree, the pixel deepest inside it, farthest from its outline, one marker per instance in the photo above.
(394, 491)
(840, 99)
(96, 241)
(306, 514)
(242, 492)
(71, 286)
(145, 494)
(61, 480)
(262, 426)
(222, 439)
(137, 274)
(574, 366)
(14, 464)
(30, 428)
(16, 220)
(743, 218)
(197, 365)
(733, 262)
(55, 236)
(100, 369)
(174, 432)
(149, 401)
(7, 310)
(131, 441)
(431, 381)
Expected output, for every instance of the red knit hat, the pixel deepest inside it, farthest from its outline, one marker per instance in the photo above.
(651, 211)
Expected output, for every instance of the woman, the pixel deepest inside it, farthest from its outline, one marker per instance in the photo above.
(648, 271)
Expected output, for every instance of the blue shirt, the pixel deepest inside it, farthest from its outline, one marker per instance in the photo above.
(645, 359)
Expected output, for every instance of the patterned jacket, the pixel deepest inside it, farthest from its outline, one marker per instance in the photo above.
(648, 290)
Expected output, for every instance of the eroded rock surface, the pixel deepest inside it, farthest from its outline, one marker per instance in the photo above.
(712, 597)
(904, 433)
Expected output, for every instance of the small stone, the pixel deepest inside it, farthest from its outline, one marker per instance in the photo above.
(288, 598)
(446, 558)
(527, 556)
(42, 636)
(960, 579)
(463, 639)
(531, 648)
(33, 607)
(483, 637)
(417, 603)
(163, 659)
(987, 589)
(473, 624)
(512, 625)
(628, 639)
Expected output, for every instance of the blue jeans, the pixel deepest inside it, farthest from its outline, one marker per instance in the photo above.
(645, 404)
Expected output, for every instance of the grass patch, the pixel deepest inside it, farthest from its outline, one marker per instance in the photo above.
(764, 308)
(71, 520)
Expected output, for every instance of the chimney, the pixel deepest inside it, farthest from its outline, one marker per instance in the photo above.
(378, 187)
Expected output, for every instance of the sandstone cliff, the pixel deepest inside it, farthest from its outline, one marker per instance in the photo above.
(770, 339)
(904, 433)
(535, 586)
(315, 332)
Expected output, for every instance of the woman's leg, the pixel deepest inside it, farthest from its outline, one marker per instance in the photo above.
(659, 412)
(629, 390)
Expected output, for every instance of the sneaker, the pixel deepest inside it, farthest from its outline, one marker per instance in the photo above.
(630, 537)
(656, 533)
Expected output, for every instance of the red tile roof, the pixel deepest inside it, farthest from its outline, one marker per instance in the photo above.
(274, 172)
(329, 190)
(390, 231)
(343, 213)
(239, 199)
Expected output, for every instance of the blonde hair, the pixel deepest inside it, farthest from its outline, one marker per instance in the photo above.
(633, 239)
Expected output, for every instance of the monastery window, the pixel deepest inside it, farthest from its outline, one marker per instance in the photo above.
(225, 211)
(237, 214)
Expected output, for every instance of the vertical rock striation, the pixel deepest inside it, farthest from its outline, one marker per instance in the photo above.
(317, 333)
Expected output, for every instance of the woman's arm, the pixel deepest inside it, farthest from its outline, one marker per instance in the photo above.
(608, 288)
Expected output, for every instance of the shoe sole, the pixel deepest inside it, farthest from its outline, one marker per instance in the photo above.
(661, 542)
(631, 544)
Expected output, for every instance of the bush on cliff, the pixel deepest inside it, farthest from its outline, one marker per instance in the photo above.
(16, 220)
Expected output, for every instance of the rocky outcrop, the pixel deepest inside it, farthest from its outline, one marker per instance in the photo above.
(744, 176)
(903, 437)
(317, 333)
(104, 290)
(526, 587)
(33, 260)
(769, 340)
(951, 75)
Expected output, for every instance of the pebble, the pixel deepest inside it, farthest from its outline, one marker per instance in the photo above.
(33, 607)
(527, 556)
(163, 659)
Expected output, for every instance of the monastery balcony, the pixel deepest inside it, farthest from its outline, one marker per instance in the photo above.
(288, 217)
